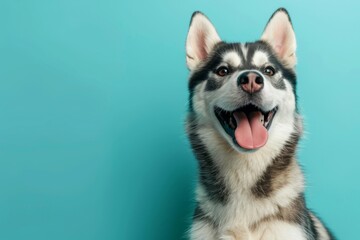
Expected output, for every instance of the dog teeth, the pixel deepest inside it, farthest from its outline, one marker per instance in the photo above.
(262, 118)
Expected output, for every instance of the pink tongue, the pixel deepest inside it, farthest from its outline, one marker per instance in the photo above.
(250, 133)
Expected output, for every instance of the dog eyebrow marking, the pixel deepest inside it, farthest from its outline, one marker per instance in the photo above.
(260, 58)
(233, 59)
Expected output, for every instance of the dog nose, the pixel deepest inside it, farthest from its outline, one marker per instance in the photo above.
(251, 82)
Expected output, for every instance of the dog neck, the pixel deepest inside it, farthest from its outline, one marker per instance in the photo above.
(227, 176)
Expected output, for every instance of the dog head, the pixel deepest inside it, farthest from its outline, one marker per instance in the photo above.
(246, 92)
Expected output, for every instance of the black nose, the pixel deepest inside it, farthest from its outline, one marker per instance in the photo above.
(251, 82)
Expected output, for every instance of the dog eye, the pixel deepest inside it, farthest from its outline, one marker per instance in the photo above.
(222, 71)
(269, 70)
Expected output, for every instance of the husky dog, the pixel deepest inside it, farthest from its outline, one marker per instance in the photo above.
(244, 127)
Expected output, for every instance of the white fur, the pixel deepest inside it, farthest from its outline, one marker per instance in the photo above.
(260, 58)
(278, 230)
(233, 59)
(202, 230)
(244, 50)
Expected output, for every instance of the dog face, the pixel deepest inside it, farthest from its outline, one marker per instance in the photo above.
(245, 92)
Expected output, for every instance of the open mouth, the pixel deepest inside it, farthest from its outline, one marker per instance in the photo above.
(248, 126)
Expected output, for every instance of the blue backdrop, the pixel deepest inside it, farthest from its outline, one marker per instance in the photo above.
(92, 100)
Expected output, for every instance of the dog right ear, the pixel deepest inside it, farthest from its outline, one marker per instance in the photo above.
(201, 39)
(279, 33)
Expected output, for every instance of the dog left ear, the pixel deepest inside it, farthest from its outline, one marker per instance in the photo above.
(279, 33)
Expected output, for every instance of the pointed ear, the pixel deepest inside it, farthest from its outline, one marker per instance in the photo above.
(201, 39)
(280, 34)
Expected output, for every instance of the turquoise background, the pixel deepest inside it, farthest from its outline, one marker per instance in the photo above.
(93, 96)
